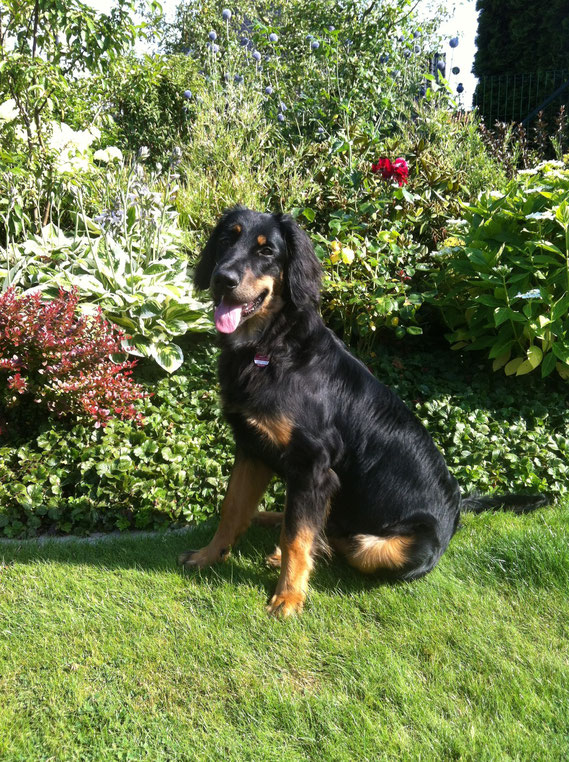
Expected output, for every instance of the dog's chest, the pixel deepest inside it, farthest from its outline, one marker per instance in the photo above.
(248, 381)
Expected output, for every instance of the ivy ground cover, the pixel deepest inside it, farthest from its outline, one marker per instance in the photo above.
(173, 469)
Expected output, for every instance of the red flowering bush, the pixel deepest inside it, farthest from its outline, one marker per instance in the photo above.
(397, 169)
(61, 359)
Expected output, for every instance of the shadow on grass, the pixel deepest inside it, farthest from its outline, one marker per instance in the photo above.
(523, 553)
(158, 552)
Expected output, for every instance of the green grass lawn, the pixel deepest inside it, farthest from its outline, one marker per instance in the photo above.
(109, 652)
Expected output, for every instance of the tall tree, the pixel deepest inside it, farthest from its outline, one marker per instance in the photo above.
(517, 36)
(522, 57)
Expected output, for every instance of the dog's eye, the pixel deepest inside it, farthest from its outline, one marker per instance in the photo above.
(266, 251)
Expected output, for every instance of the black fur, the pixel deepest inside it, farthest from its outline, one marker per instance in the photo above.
(357, 462)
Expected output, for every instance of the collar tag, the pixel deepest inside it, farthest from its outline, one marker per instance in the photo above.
(261, 361)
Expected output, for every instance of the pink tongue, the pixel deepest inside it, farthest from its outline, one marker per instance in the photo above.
(227, 317)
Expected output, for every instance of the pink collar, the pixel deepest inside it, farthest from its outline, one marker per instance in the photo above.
(261, 360)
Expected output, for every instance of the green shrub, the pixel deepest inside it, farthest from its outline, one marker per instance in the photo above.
(174, 468)
(391, 232)
(329, 64)
(232, 159)
(369, 282)
(286, 130)
(127, 260)
(505, 288)
(53, 49)
(77, 479)
(147, 103)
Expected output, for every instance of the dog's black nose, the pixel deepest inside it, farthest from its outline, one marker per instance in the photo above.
(226, 279)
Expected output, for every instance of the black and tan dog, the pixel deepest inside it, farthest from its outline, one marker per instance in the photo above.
(362, 474)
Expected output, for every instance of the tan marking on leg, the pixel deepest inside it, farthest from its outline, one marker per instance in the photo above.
(296, 566)
(247, 484)
(261, 240)
(369, 553)
(278, 430)
(268, 518)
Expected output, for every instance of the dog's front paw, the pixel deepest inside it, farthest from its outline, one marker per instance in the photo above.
(197, 559)
(285, 604)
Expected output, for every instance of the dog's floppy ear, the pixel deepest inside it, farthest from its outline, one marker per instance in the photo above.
(304, 272)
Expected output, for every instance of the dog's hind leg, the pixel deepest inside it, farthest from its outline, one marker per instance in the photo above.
(247, 484)
(406, 551)
(270, 519)
(371, 554)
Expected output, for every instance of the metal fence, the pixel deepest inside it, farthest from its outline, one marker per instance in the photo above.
(520, 97)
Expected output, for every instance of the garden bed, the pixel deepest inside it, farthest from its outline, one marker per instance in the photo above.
(173, 469)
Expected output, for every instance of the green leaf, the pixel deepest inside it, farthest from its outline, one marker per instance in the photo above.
(561, 352)
(124, 322)
(550, 247)
(500, 361)
(488, 301)
(513, 366)
(156, 268)
(501, 314)
(562, 214)
(548, 364)
(535, 356)
(560, 308)
(149, 310)
(176, 327)
(524, 368)
(310, 214)
(168, 356)
(142, 346)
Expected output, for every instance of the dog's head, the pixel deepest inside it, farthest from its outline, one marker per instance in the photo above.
(255, 264)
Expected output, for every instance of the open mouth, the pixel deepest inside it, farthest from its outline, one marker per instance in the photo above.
(251, 307)
(229, 316)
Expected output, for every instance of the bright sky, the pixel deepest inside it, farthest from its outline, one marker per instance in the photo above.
(463, 23)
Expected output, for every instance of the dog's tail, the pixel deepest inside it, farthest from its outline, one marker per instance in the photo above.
(514, 503)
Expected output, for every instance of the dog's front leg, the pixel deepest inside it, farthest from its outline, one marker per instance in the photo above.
(307, 506)
(247, 484)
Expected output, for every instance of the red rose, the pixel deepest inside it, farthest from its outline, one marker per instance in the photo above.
(400, 171)
(385, 167)
(389, 169)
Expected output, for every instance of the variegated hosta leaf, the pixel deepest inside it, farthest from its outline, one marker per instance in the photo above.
(168, 356)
